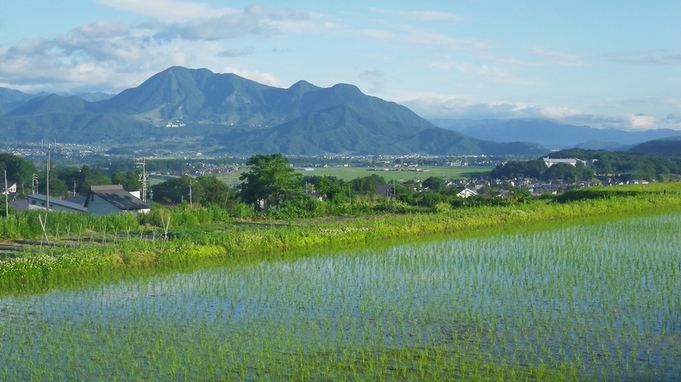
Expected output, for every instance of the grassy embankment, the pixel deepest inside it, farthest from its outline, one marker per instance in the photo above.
(102, 248)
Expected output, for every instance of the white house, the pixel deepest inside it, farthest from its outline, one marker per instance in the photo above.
(103, 200)
(11, 187)
(466, 193)
(571, 161)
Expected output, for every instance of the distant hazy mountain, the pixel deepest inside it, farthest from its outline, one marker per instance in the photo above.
(94, 97)
(244, 116)
(550, 134)
(10, 99)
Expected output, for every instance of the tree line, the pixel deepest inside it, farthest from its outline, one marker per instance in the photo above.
(62, 180)
(615, 165)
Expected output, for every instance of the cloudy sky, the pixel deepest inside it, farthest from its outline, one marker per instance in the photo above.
(602, 63)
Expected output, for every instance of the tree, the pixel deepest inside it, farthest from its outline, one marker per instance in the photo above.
(434, 183)
(269, 181)
(524, 169)
(130, 180)
(83, 178)
(331, 190)
(179, 189)
(18, 169)
(216, 192)
(118, 178)
(519, 195)
(367, 185)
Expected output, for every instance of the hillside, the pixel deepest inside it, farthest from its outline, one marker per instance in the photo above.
(11, 99)
(348, 129)
(669, 146)
(230, 114)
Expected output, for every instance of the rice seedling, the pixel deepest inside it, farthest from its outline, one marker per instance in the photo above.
(580, 302)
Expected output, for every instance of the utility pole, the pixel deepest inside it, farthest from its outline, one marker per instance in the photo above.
(143, 178)
(47, 193)
(6, 196)
(394, 189)
(191, 205)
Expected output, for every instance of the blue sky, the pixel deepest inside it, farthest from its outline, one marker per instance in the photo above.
(605, 64)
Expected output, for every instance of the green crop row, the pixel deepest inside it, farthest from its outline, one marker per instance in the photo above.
(121, 243)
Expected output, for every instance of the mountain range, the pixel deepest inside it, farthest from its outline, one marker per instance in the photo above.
(225, 113)
(552, 135)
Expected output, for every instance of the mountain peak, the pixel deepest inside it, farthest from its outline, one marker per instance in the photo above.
(240, 115)
(303, 86)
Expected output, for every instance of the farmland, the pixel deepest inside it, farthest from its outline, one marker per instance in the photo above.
(581, 301)
(585, 288)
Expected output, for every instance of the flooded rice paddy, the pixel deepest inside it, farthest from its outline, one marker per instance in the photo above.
(581, 302)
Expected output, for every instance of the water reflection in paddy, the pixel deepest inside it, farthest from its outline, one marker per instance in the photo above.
(597, 300)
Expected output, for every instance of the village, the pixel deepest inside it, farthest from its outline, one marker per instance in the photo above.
(106, 199)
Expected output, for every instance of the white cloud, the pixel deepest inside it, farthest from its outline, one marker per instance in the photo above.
(167, 10)
(378, 34)
(102, 41)
(255, 20)
(673, 102)
(376, 77)
(482, 72)
(107, 56)
(649, 60)
(420, 15)
(442, 61)
(431, 39)
(554, 57)
(430, 105)
(642, 122)
(236, 52)
(492, 74)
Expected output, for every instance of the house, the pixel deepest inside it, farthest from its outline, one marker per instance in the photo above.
(11, 187)
(571, 161)
(39, 202)
(103, 200)
(466, 193)
(387, 190)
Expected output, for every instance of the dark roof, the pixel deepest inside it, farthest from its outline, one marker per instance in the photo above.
(116, 195)
(77, 199)
(57, 202)
(10, 183)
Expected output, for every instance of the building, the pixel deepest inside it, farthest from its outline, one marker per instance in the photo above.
(466, 193)
(39, 202)
(11, 187)
(103, 200)
(387, 190)
(571, 161)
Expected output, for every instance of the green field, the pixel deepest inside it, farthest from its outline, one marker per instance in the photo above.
(581, 302)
